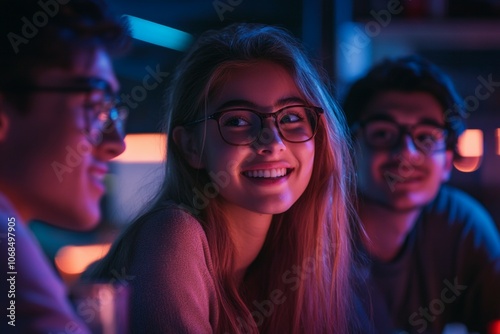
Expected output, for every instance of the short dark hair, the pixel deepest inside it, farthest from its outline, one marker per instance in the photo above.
(408, 74)
(48, 33)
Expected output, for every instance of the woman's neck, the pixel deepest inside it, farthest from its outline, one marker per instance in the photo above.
(248, 231)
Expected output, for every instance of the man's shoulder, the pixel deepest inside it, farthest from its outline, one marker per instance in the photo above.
(455, 205)
(455, 215)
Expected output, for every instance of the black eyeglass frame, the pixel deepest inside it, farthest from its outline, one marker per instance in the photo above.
(318, 111)
(76, 85)
(81, 85)
(403, 130)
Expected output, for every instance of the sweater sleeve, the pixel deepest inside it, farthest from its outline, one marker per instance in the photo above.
(173, 285)
(34, 297)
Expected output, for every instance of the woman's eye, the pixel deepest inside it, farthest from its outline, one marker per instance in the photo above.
(236, 121)
(291, 118)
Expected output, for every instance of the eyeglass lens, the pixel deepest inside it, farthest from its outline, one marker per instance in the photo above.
(104, 117)
(242, 127)
(388, 135)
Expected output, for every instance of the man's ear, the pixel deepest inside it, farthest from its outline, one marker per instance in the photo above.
(189, 146)
(448, 165)
(4, 119)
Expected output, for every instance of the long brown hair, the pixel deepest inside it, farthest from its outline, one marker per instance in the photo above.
(300, 280)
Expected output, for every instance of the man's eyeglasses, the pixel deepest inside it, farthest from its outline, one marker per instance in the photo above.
(103, 110)
(386, 134)
(295, 124)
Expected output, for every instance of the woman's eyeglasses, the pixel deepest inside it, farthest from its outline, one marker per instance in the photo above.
(242, 126)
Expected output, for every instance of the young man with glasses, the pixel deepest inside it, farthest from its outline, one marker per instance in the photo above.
(435, 252)
(59, 127)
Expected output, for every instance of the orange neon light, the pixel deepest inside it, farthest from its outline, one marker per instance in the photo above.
(144, 147)
(470, 143)
(470, 147)
(498, 141)
(73, 260)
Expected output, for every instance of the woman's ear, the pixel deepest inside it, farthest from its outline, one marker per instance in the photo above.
(189, 146)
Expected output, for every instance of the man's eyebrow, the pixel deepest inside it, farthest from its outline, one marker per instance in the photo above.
(379, 116)
(387, 117)
(97, 83)
(251, 105)
(427, 120)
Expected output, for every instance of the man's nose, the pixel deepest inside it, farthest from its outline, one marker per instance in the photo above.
(112, 143)
(408, 147)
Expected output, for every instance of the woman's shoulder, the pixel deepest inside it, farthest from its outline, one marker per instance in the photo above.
(165, 235)
(172, 270)
(171, 221)
(172, 212)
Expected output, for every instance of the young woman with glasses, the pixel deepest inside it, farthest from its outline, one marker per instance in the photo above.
(251, 229)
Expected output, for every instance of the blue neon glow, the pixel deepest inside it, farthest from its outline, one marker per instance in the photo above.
(158, 34)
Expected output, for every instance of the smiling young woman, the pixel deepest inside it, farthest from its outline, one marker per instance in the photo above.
(251, 230)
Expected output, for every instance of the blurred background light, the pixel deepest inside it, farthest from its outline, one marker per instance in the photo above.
(470, 147)
(72, 260)
(498, 141)
(159, 34)
(144, 148)
(137, 174)
(470, 143)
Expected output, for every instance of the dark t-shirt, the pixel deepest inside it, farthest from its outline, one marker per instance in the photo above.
(448, 270)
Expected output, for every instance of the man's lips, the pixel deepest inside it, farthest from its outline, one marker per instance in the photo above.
(404, 172)
(97, 175)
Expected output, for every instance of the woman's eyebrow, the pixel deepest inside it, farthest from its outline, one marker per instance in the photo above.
(239, 103)
(251, 105)
(289, 100)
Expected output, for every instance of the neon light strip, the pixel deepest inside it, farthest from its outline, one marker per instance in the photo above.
(498, 141)
(158, 34)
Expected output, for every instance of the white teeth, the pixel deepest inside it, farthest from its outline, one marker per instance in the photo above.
(266, 173)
